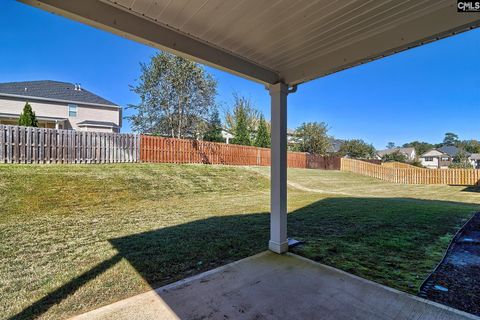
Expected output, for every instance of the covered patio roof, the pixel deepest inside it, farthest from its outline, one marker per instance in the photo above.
(290, 41)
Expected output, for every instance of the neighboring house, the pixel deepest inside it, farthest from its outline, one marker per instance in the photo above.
(335, 145)
(227, 136)
(59, 105)
(475, 160)
(291, 137)
(435, 159)
(407, 152)
(439, 158)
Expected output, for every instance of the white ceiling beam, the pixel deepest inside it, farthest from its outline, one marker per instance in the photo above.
(415, 31)
(402, 37)
(110, 18)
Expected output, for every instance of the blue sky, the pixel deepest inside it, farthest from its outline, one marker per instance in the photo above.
(416, 95)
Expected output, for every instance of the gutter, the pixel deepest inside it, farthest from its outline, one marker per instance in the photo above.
(60, 100)
(97, 126)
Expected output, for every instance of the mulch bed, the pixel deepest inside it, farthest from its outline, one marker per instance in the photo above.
(456, 281)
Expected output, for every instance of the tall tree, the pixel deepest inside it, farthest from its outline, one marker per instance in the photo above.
(460, 161)
(395, 156)
(390, 145)
(263, 134)
(312, 137)
(242, 107)
(176, 96)
(214, 128)
(471, 146)
(27, 117)
(242, 134)
(357, 149)
(451, 139)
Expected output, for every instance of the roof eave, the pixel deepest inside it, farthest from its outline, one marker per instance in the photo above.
(97, 126)
(125, 24)
(59, 100)
(436, 23)
(39, 117)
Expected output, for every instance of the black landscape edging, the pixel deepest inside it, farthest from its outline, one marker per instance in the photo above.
(427, 286)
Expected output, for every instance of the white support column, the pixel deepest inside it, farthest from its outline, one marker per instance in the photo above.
(278, 190)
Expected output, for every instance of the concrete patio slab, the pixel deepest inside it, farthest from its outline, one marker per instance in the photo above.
(271, 286)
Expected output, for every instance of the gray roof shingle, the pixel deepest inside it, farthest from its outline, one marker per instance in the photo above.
(475, 156)
(450, 150)
(56, 90)
(406, 151)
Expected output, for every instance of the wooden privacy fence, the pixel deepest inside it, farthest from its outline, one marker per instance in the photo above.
(413, 175)
(38, 145)
(399, 165)
(160, 149)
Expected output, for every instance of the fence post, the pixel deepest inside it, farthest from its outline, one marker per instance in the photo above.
(2, 143)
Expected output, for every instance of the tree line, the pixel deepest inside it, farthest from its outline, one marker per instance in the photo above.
(460, 160)
(450, 139)
(177, 99)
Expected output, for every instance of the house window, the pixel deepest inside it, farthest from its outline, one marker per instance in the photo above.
(445, 159)
(72, 110)
(428, 159)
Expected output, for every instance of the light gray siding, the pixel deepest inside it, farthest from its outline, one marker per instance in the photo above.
(60, 110)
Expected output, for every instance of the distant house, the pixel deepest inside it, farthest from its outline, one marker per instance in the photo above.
(475, 160)
(409, 153)
(227, 136)
(335, 145)
(291, 141)
(439, 158)
(59, 105)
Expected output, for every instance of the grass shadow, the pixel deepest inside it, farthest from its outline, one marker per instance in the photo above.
(475, 189)
(41, 306)
(388, 240)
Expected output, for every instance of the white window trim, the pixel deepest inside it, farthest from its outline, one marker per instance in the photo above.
(71, 105)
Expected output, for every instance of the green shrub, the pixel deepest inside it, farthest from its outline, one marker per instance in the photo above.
(27, 117)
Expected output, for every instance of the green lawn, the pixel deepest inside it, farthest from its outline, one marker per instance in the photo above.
(75, 237)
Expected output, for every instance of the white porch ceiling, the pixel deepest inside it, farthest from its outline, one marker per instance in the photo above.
(269, 41)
